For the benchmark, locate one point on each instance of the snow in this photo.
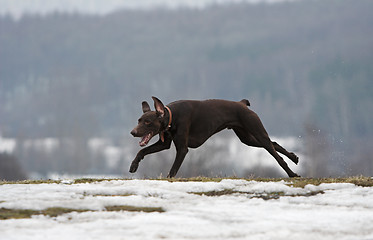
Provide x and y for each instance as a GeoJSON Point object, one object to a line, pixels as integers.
{"type": "Point", "coordinates": [335, 211]}
{"type": "Point", "coordinates": [7, 144]}
{"type": "Point", "coordinates": [48, 145]}
{"type": "Point", "coordinates": [224, 148]}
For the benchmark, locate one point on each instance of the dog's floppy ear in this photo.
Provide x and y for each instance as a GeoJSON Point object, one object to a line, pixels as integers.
{"type": "Point", "coordinates": [145, 107]}
{"type": "Point", "coordinates": [159, 107]}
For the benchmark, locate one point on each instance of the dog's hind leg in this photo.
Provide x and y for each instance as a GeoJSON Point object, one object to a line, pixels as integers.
{"type": "Point", "coordinates": [262, 140]}
{"type": "Point", "coordinates": [250, 140]}
{"type": "Point", "coordinates": [282, 150]}
{"type": "Point", "coordinates": [246, 138]}
{"type": "Point", "coordinates": [267, 144]}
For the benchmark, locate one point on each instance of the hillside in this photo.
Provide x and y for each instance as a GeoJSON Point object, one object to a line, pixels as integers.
{"type": "Point", "coordinates": [303, 62]}
{"type": "Point", "coordinates": [305, 66]}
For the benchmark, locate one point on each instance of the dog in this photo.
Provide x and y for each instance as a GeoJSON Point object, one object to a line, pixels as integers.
{"type": "Point", "coordinates": [189, 123]}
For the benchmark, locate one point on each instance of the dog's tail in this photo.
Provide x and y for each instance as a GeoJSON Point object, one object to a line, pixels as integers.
{"type": "Point", "coordinates": [246, 102]}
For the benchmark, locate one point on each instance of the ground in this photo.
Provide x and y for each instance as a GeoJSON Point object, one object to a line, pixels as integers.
{"type": "Point", "coordinates": [196, 208]}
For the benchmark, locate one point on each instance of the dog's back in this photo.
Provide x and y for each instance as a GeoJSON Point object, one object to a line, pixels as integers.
{"type": "Point", "coordinates": [202, 119]}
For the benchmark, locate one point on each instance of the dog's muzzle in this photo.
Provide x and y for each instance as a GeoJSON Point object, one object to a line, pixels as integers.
{"type": "Point", "coordinates": [144, 139]}
{"type": "Point", "coordinates": [134, 133]}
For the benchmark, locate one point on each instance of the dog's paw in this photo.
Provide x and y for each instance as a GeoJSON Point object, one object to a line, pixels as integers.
{"type": "Point", "coordinates": [134, 166]}
{"type": "Point", "coordinates": [294, 175]}
{"type": "Point", "coordinates": [171, 175]}
{"type": "Point", "coordinates": [294, 158]}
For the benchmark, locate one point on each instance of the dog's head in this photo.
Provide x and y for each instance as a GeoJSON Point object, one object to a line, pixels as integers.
{"type": "Point", "coordinates": [150, 123]}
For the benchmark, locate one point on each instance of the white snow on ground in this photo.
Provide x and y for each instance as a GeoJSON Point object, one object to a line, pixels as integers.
{"type": "Point", "coordinates": [342, 211]}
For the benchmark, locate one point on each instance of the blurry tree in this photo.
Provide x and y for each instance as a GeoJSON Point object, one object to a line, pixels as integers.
{"type": "Point", "coordinates": [74, 77]}
{"type": "Point", "coordinates": [10, 170]}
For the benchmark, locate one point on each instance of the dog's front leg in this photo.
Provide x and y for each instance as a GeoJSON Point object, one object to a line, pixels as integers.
{"type": "Point", "coordinates": [156, 147]}
{"type": "Point", "coordinates": [181, 144]}
{"type": "Point", "coordinates": [180, 155]}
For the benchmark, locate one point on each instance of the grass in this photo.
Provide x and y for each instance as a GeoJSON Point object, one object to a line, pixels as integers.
{"type": "Point", "coordinates": [357, 180]}
{"type": "Point", "coordinates": [6, 213]}
{"type": "Point", "coordinates": [265, 196]}
{"type": "Point", "coordinates": [195, 179]}
{"type": "Point", "coordinates": [295, 182]}
{"type": "Point", "coordinates": [41, 181]}
{"type": "Point", "coordinates": [49, 181]}
{"type": "Point", "coordinates": [109, 195]}
{"type": "Point", "coordinates": [217, 193]}
{"type": "Point", "coordinates": [134, 209]}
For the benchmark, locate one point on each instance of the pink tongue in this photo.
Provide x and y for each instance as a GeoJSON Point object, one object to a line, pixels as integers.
{"type": "Point", "coordinates": [145, 140]}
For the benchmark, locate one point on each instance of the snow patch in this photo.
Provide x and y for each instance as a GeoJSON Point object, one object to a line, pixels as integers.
{"type": "Point", "coordinates": [7, 145]}
{"type": "Point", "coordinates": [342, 211]}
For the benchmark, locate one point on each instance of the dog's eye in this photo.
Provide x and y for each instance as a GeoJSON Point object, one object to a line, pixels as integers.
{"type": "Point", "coordinates": [147, 122]}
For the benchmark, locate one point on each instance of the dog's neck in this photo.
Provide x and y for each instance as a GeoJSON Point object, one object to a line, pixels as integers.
{"type": "Point", "coordinates": [161, 134]}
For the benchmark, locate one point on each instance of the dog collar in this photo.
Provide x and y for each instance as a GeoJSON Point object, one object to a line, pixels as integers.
{"type": "Point", "coordinates": [170, 118]}
{"type": "Point", "coordinates": [168, 125]}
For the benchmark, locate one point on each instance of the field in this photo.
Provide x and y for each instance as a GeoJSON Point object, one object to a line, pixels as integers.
{"type": "Point", "coordinates": [196, 208]}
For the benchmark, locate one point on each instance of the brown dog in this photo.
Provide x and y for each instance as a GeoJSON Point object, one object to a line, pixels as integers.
{"type": "Point", "coordinates": [190, 123]}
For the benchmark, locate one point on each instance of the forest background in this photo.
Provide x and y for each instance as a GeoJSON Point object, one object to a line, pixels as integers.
{"type": "Point", "coordinates": [68, 80]}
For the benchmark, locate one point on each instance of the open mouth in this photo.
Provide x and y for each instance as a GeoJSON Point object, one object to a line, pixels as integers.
{"type": "Point", "coordinates": [145, 139]}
